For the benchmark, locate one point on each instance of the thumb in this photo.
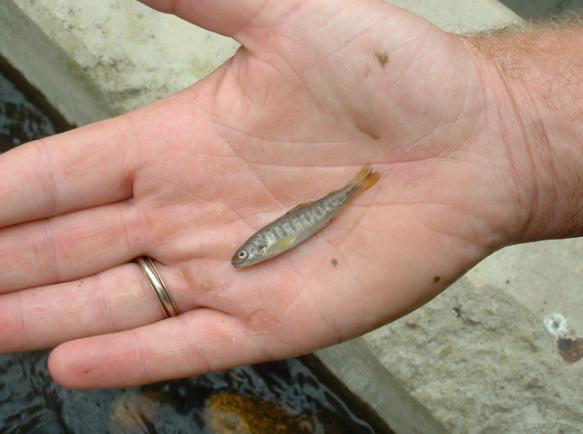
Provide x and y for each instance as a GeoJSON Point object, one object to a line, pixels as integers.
{"type": "Point", "coordinates": [226, 17]}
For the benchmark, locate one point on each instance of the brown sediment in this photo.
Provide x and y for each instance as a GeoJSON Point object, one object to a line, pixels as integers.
{"type": "Point", "coordinates": [230, 413]}
{"type": "Point", "coordinates": [133, 412]}
{"type": "Point", "coordinates": [571, 349]}
{"type": "Point", "coordinates": [382, 57]}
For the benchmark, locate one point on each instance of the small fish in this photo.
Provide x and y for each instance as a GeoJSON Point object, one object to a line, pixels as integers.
{"type": "Point", "coordinates": [300, 223]}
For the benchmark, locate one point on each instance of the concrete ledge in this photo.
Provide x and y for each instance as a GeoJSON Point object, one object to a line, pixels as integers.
{"type": "Point", "coordinates": [49, 68]}
{"type": "Point", "coordinates": [73, 52]}
{"type": "Point", "coordinates": [544, 277]}
{"type": "Point", "coordinates": [480, 361]}
{"type": "Point", "coordinates": [473, 360]}
{"type": "Point", "coordinates": [369, 379]}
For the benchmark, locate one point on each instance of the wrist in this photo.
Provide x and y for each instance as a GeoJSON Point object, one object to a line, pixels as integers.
{"type": "Point", "coordinates": [535, 96]}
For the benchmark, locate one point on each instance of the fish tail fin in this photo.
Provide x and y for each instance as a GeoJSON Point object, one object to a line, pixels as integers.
{"type": "Point", "coordinates": [366, 178]}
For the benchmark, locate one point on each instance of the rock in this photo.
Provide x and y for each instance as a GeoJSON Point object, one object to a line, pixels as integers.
{"type": "Point", "coordinates": [133, 413]}
{"type": "Point", "coordinates": [230, 413]}
{"type": "Point", "coordinates": [483, 363]}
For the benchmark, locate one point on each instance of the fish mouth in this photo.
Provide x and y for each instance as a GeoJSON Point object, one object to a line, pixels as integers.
{"type": "Point", "coordinates": [235, 262]}
{"type": "Point", "coordinates": [238, 263]}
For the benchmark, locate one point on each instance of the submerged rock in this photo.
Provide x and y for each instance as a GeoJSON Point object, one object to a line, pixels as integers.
{"type": "Point", "coordinates": [230, 413]}
{"type": "Point", "coordinates": [133, 413]}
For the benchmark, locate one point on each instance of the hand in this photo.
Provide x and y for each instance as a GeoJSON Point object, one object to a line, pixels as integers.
{"type": "Point", "coordinates": [318, 90]}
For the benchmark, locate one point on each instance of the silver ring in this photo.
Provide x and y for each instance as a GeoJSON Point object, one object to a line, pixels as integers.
{"type": "Point", "coordinates": [158, 286]}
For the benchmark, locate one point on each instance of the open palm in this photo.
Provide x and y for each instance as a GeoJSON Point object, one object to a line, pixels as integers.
{"type": "Point", "coordinates": [318, 89]}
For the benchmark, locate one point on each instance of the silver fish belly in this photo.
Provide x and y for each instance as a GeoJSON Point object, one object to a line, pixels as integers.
{"type": "Point", "coordinates": [301, 222]}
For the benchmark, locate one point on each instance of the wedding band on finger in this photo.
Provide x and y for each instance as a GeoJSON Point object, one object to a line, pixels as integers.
{"type": "Point", "coordinates": [158, 286]}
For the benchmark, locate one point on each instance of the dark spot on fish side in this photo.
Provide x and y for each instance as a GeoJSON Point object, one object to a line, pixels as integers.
{"type": "Point", "coordinates": [507, 282]}
{"type": "Point", "coordinates": [382, 57]}
{"type": "Point", "coordinates": [368, 130]}
{"type": "Point", "coordinates": [436, 279]}
{"type": "Point", "coordinates": [334, 262]}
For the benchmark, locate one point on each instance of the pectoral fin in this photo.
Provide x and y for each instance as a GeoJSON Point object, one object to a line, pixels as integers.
{"type": "Point", "coordinates": [284, 243]}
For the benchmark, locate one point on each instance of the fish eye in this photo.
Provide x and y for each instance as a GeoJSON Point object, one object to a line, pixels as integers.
{"type": "Point", "coordinates": [242, 254]}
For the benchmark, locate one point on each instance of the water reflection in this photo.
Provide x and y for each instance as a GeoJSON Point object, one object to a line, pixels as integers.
{"type": "Point", "coordinates": [20, 119]}
{"type": "Point", "coordinates": [283, 397]}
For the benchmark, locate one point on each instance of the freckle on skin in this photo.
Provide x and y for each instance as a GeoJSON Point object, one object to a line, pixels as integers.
{"type": "Point", "coordinates": [368, 130]}
{"type": "Point", "coordinates": [334, 262]}
{"type": "Point", "coordinates": [382, 57]}
{"type": "Point", "coordinates": [436, 279]}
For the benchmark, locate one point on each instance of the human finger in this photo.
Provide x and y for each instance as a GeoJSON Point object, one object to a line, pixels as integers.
{"type": "Point", "coordinates": [67, 247]}
{"type": "Point", "coordinates": [224, 322]}
{"type": "Point", "coordinates": [193, 343]}
{"type": "Point", "coordinates": [118, 299]}
{"type": "Point", "coordinates": [115, 300]}
{"type": "Point", "coordinates": [220, 16]}
{"type": "Point", "coordinates": [74, 170]}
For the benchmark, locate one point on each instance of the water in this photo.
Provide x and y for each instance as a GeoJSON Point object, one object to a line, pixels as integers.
{"type": "Point", "coordinates": [294, 396]}
{"type": "Point", "coordinates": [20, 120]}
{"type": "Point", "coordinates": [542, 8]}
{"type": "Point", "coordinates": [256, 399]}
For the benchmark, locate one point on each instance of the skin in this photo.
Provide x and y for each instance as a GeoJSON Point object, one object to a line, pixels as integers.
{"type": "Point", "coordinates": [319, 89]}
